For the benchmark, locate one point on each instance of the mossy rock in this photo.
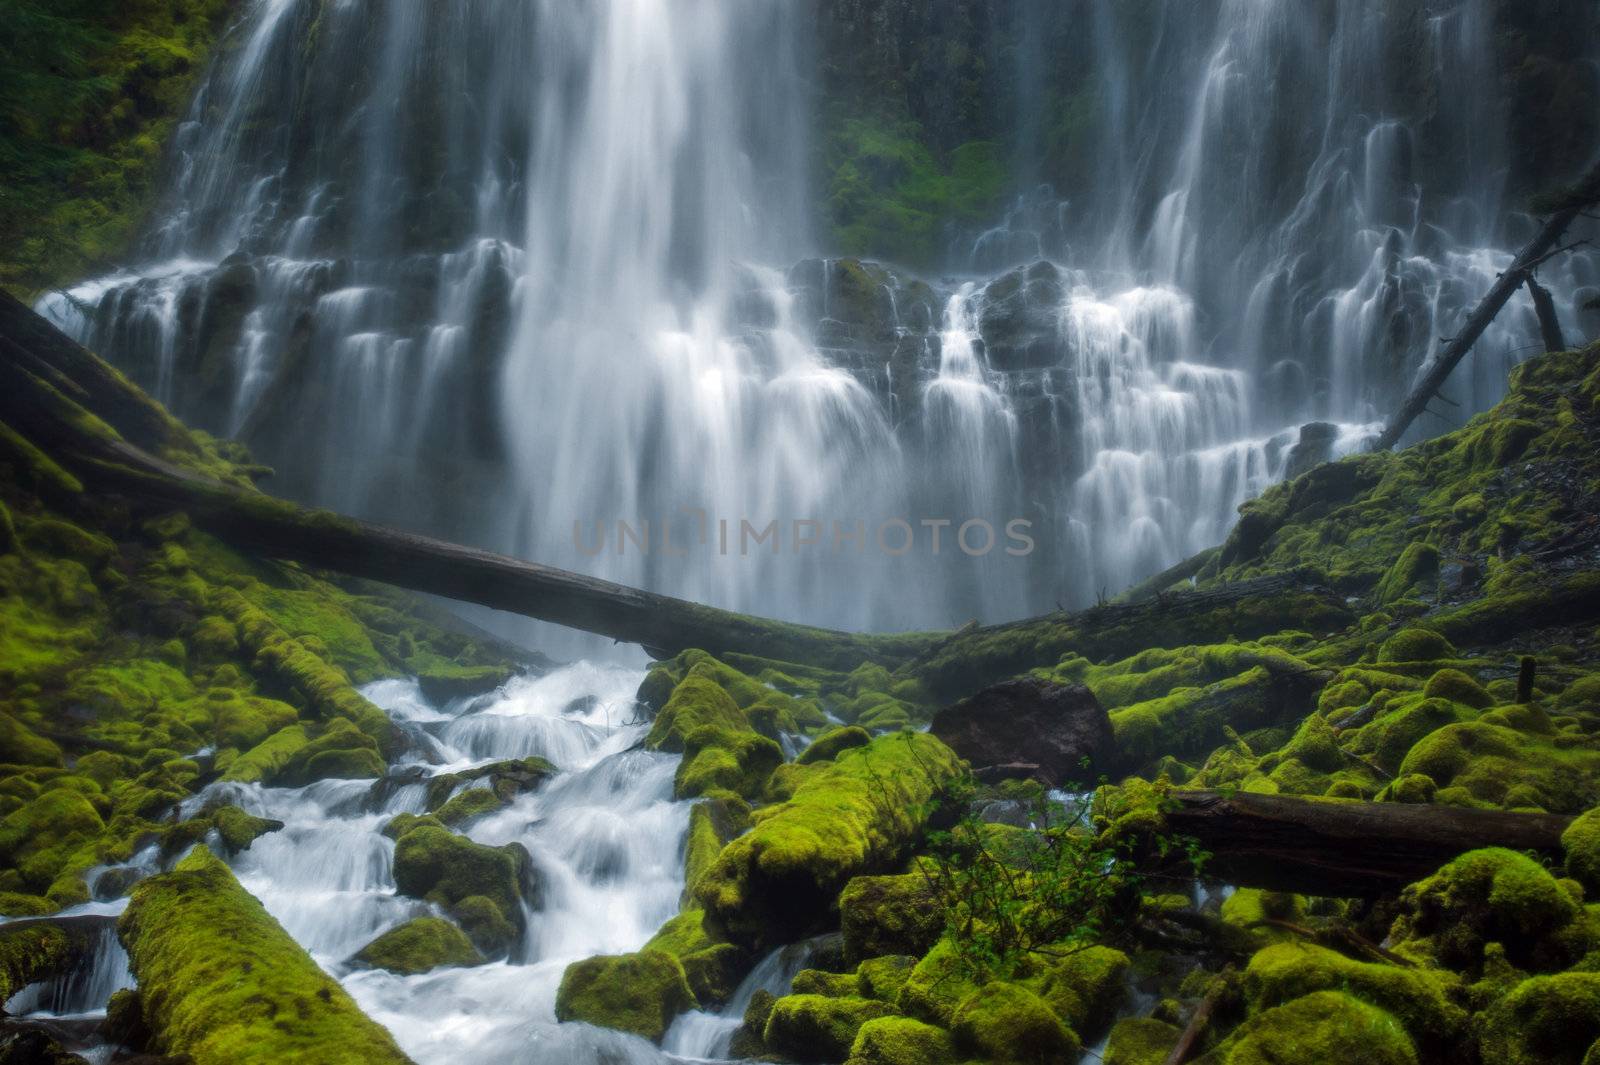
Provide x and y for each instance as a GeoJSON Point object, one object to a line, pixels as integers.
{"type": "Point", "coordinates": [1581, 841]}
{"type": "Point", "coordinates": [468, 806]}
{"type": "Point", "coordinates": [223, 984]}
{"type": "Point", "coordinates": [239, 829]}
{"type": "Point", "coordinates": [486, 925]}
{"type": "Point", "coordinates": [1416, 645]}
{"type": "Point", "coordinates": [901, 1041]}
{"type": "Point", "coordinates": [263, 762]}
{"type": "Point", "coordinates": [1421, 999]}
{"type": "Point", "coordinates": [439, 866]}
{"type": "Point", "coordinates": [889, 915]}
{"type": "Point", "coordinates": [1417, 565]}
{"type": "Point", "coordinates": [1457, 687]}
{"type": "Point", "coordinates": [20, 745]}
{"type": "Point", "coordinates": [342, 752]}
{"type": "Point", "coordinates": [860, 814]}
{"type": "Point", "coordinates": [827, 746]}
{"type": "Point", "coordinates": [1140, 1041]}
{"type": "Point", "coordinates": [639, 993]}
{"type": "Point", "coordinates": [1084, 987]}
{"type": "Point", "coordinates": [882, 978]}
{"type": "Point", "coordinates": [417, 946]}
{"type": "Point", "coordinates": [1006, 1022]}
{"type": "Point", "coordinates": [1324, 1026]}
{"type": "Point", "coordinates": [818, 1028]}
{"type": "Point", "coordinates": [1548, 1020]}
{"type": "Point", "coordinates": [1483, 897]}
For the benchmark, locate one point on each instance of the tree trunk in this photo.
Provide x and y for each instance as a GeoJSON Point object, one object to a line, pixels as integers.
{"type": "Point", "coordinates": [1317, 847]}
{"type": "Point", "coordinates": [1435, 372]}
{"type": "Point", "coordinates": [1545, 307]}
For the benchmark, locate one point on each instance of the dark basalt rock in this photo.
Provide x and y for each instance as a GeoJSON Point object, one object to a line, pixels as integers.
{"type": "Point", "coordinates": [1036, 727]}
{"type": "Point", "coordinates": [1020, 319]}
{"type": "Point", "coordinates": [1313, 449]}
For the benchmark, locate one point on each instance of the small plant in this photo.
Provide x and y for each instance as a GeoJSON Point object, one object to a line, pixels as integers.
{"type": "Point", "coordinates": [1012, 894]}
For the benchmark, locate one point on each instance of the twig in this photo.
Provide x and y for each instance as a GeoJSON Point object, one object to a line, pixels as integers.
{"type": "Point", "coordinates": [1197, 1023]}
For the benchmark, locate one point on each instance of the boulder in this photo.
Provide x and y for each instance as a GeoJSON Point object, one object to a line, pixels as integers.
{"type": "Point", "coordinates": [639, 993]}
{"type": "Point", "coordinates": [1039, 727]}
{"type": "Point", "coordinates": [417, 946]}
{"type": "Point", "coordinates": [1020, 319]}
{"type": "Point", "coordinates": [1314, 447]}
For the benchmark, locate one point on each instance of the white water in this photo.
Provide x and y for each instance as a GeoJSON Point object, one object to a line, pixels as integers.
{"type": "Point", "coordinates": [605, 835]}
{"type": "Point", "coordinates": [506, 269]}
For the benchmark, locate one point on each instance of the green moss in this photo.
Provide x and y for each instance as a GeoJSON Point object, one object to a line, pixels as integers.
{"type": "Point", "coordinates": [417, 946]}
{"type": "Point", "coordinates": [1140, 1041]}
{"type": "Point", "coordinates": [30, 953]}
{"type": "Point", "coordinates": [1006, 1022]}
{"type": "Point", "coordinates": [858, 815]}
{"type": "Point", "coordinates": [833, 985]}
{"type": "Point", "coordinates": [1084, 988]}
{"type": "Point", "coordinates": [1494, 764]}
{"type": "Point", "coordinates": [882, 978]}
{"type": "Point", "coordinates": [41, 838]}
{"type": "Point", "coordinates": [468, 806]}
{"type": "Point", "coordinates": [342, 752]}
{"type": "Point", "coordinates": [1416, 645]}
{"type": "Point", "coordinates": [1581, 841]}
{"type": "Point", "coordinates": [817, 1028]}
{"type": "Point", "coordinates": [1488, 896]}
{"type": "Point", "coordinates": [1456, 686]}
{"type": "Point", "coordinates": [239, 829]}
{"type": "Point", "coordinates": [486, 924]}
{"type": "Point", "coordinates": [20, 745]}
{"type": "Point", "coordinates": [267, 759]}
{"type": "Point", "coordinates": [1324, 1026]}
{"type": "Point", "coordinates": [1417, 564]}
{"type": "Point", "coordinates": [439, 866]}
{"type": "Point", "coordinates": [901, 1041]}
{"type": "Point", "coordinates": [639, 993]}
{"type": "Point", "coordinates": [1419, 999]}
{"type": "Point", "coordinates": [221, 982]}
{"type": "Point", "coordinates": [889, 915]}
{"type": "Point", "coordinates": [1548, 1020]}
{"type": "Point", "coordinates": [827, 746]}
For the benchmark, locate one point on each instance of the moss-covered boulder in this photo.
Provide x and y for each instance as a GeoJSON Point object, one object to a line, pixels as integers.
{"type": "Point", "coordinates": [1548, 1020]}
{"type": "Point", "coordinates": [860, 814]}
{"type": "Point", "coordinates": [1325, 1026]}
{"type": "Point", "coordinates": [436, 865]}
{"type": "Point", "coordinates": [818, 1028]}
{"type": "Point", "coordinates": [889, 915]}
{"type": "Point", "coordinates": [1084, 987]}
{"type": "Point", "coordinates": [901, 1041]}
{"type": "Point", "coordinates": [1006, 1022]}
{"type": "Point", "coordinates": [417, 946]}
{"type": "Point", "coordinates": [1140, 1041]}
{"type": "Point", "coordinates": [1489, 896]}
{"type": "Point", "coordinates": [1581, 841]}
{"type": "Point", "coordinates": [238, 829]}
{"type": "Point", "coordinates": [826, 747]}
{"type": "Point", "coordinates": [1420, 999]}
{"type": "Point", "coordinates": [639, 993]}
{"type": "Point", "coordinates": [222, 983]}
{"type": "Point", "coordinates": [341, 752]}
{"type": "Point", "coordinates": [722, 752]}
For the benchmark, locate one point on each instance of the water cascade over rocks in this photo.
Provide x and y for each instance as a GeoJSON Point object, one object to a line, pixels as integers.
{"type": "Point", "coordinates": [543, 275]}
{"type": "Point", "coordinates": [525, 274]}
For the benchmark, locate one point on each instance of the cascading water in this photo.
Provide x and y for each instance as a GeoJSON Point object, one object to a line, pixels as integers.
{"type": "Point", "coordinates": [517, 272]}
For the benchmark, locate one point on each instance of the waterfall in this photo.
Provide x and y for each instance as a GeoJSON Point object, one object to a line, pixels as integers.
{"type": "Point", "coordinates": [533, 274]}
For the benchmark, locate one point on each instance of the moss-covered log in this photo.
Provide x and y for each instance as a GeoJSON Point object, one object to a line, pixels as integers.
{"type": "Point", "coordinates": [1329, 848]}
{"type": "Point", "coordinates": [221, 981]}
{"type": "Point", "coordinates": [42, 948]}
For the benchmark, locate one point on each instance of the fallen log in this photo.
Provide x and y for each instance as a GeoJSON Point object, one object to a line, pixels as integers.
{"type": "Point", "coordinates": [1433, 375]}
{"type": "Point", "coordinates": [93, 421]}
{"type": "Point", "coordinates": [1358, 849]}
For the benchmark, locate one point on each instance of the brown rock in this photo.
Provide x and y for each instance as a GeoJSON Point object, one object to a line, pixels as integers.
{"type": "Point", "coordinates": [1030, 727]}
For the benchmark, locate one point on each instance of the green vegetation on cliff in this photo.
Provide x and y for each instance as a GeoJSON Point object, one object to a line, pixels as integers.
{"type": "Point", "coordinates": [92, 92]}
